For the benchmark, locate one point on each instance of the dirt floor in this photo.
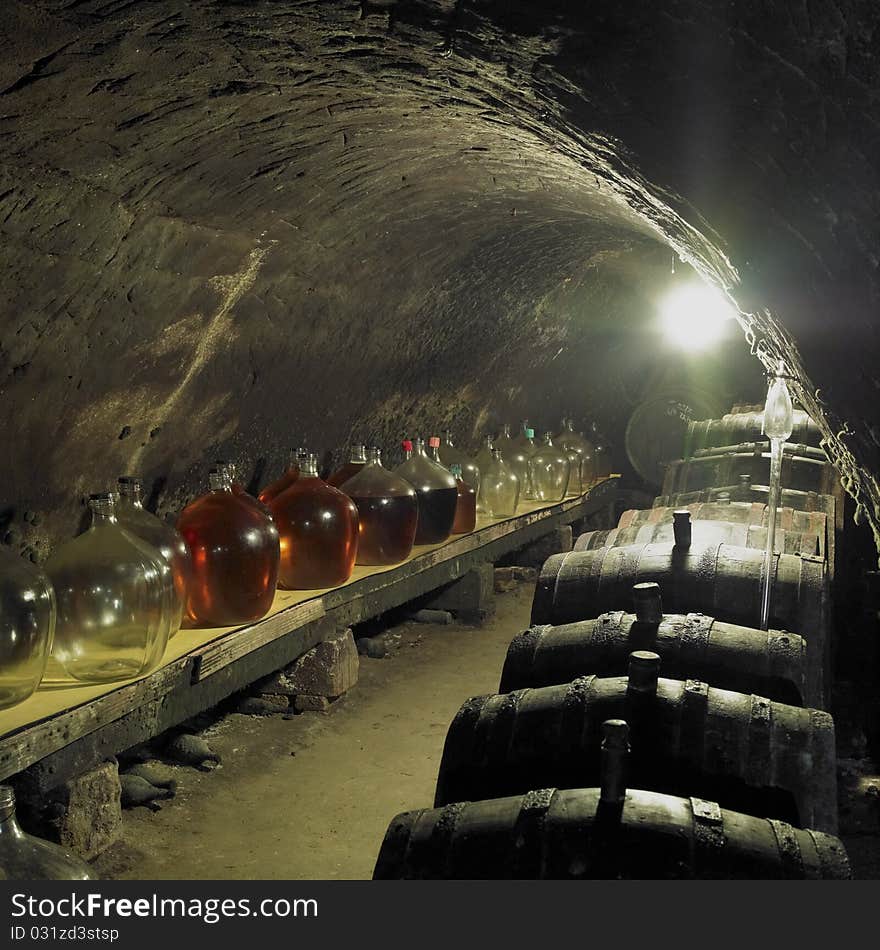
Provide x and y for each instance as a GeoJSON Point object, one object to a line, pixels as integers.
{"type": "Point", "coordinates": [310, 796]}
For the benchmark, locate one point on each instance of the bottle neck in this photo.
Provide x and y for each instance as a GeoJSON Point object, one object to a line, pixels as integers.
{"type": "Point", "coordinates": [220, 481]}
{"type": "Point", "coordinates": [358, 454]}
{"type": "Point", "coordinates": [420, 448]}
{"type": "Point", "coordinates": [103, 508]}
{"type": "Point", "coordinates": [8, 821]}
{"type": "Point", "coordinates": [447, 438]}
{"type": "Point", "coordinates": [375, 455]}
{"type": "Point", "coordinates": [130, 490]}
{"type": "Point", "coordinates": [309, 467]}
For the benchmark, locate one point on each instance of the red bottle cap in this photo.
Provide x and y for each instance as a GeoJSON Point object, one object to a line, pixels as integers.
{"type": "Point", "coordinates": [407, 445]}
{"type": "Point", "coordinates": [434, 442]}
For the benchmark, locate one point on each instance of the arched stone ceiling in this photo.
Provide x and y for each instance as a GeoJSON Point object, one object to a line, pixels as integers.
{"type": "Point", "coordinates": [230, 227]}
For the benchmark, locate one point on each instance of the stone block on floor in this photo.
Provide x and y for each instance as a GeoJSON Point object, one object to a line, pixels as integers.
{"type": "Point", "coordinates": [471, 598]}
{"type": "Point", "coordinates": [509, 578]}
{"type": "Point", "coordinates": [328, 669]}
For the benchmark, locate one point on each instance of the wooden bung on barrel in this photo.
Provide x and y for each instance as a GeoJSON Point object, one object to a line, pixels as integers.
{"type": "Point", "coordinates": [746, 427]}
{"type": "Point", "coordinates": [790, 520]}
{"type": "Point", "coordinates": [744, 751]}
{"type": "Point", "coordinates": [721, 580]}
{"type": "Point", "coordinates": [606, 832]}
{"type": "Point", "coordinates": [771, 663]}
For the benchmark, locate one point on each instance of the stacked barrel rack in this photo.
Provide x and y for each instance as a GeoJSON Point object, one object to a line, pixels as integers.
{"type": "Point", "coordinates": [588, 763]}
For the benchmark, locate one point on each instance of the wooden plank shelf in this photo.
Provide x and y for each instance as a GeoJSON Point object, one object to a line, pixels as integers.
{"type": "Point", "coordinates": [64, 729]}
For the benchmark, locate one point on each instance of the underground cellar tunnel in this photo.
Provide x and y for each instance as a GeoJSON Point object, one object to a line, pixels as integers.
{"type": "Point", "coordinates": [234, 229]}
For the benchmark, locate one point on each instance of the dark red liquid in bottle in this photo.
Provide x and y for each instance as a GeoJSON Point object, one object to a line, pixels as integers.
{"type": "Point", "coordinates": [235, 558]}
{"type": "Point", "coordinates": [387, 528]}
{"type": "Point", "coordinates": [318, 527]}
{"type": "Point", "coordinates": [436, 491]}
{"type": "Point", "coordinates": [465, 508]}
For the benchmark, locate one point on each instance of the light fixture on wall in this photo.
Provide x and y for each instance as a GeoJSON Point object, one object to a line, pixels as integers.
{"type": "Point", "coordinates": [694, 315]}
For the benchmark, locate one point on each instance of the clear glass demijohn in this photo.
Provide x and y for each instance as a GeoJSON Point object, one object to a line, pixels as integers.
{"type": "Point", "coordinates": [114, 594]}
{"type": "Point", "coordinates": [550, 472]}
{"type": "Point", "coordinates": [27, 627]}
{"type": "Point", "coordinates": [24, 857]}
{"type": "Point", "coordinates": [499, 489]}
{"type": "Point", "coordinates": [132, 515]}
{"type": "Point", "coordinates": [451, 455]}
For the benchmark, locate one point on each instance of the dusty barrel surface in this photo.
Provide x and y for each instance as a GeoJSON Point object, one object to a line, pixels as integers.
{"type": "Point", "coordinates": [746, 426]}
{"type": "Point", "coordinates": [564, 834]}
{"type": "Point", "coordinates": [705, 532]}
{"type": "Point", "coordinates": [792, 521]}
{"type": "Point", "coordinates": [788, 448]}
{"type": "Point", "coordinates": [705, 471]}
{"type": "Point", "coordinates": [771, 663]}
{"type": "Point", "coordinates": [721, 580]}
{"type": "Point", "coordinates": [744, 751]}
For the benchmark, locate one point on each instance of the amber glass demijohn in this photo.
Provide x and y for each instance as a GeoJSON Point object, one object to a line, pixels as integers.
{"type": "Point", "coordinates": [114, 594]}
{"type": "Point", "coordinates": [318, 528]}
{"type": "Point", "coordinates": [466, 506]}
{"type": "Point", "coordinates": [284, 481]}
{"type": "Point", "coordinates": [550, 472]}
{"type": "Point", "coordinates": [388, 513]}
{"type": "Point", "coordinates": [24, 857]}
{"type": "Point", "coordinates": [235, 553]}
{"type": "Point", "coordinates": [132, 515]}
{"type": "Point", "coordinates": [499, 488]}
{"type": "Point", "coordinates": [357, 459]}
{"type": "Point", "coordinates": [27, 626]}
{"type": "Point", "coordinates": [436, 490]}
{"type": "Point", "coordinates": [237, 488]}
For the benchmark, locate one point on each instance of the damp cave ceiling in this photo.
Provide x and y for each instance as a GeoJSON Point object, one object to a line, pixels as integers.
{"type": "Point", "coordinates": [231, 226]}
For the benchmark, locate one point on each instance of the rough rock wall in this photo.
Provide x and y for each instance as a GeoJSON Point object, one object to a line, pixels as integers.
{"type": "Point", "coordinates": [232, 227]}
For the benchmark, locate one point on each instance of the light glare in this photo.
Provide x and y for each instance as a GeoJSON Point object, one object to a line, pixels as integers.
{"type": "Point", "coordinates": [694, 315]}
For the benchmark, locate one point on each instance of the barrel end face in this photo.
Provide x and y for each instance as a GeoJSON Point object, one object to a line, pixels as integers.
{"type": "Point", "coordinates": [520, 660]}
{"type": "Point", "coordinates": [542, 602]}
{"type": "Point", "coordinates": [391, 864]}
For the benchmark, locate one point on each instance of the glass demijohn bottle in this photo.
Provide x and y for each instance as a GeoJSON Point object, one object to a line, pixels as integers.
{"type": "Point", "coordinates": [24, 857]}
{"type": "Point", "coordinates": [235, 552]}
{"type": "Point", "coordinates": [437, 493]}
{"type": "Point", "coordinates": [450, 455]}
{"type": "Point", "coordinates": [550, 472]}
{"type": "Point", "coordinates": [132, 515]}
{"type": "Point", "coordinates": [27, 626]}
{"type": "Point", "coordinates": [499, 489]}
{"type": "Point", "coordinates": [114, 594]}
{"type": "Point", "coordinates": [388, 512]}
{"type": "Point", "coordinates": [519, 456]}
{"type": "Point", "coordinates": [318, 528]}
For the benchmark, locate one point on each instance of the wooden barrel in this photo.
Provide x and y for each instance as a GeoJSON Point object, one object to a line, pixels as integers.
{"type": "Point", "coordinates": [745, 752]}
{"type": "Point", "coordinates": [553, 834]}
{"type": "Point", "coordinates": [792, 521]}
{"type": "Point", "coordinates": [771, 663]}
{"type": "Point", "coordinates": [706, 471]}
{"type": "Point", "coordinates": [704, 532]}
{"type": "Point", "coordinates": [745, 491]}
{"type": "Point", "coordinates": [788, 448]}
{"type": "Point", "coordinates": [746, 427]}
{"type": "Point", "coordinates": [721, 580]}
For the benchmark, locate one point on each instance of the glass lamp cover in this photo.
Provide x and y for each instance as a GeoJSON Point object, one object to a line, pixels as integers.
{"type": "Point", "coordinates": [778, 410]}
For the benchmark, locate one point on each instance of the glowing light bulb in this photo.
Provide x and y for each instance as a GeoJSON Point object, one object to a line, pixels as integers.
{"type": "Point", "coordinates": [694, 315]}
